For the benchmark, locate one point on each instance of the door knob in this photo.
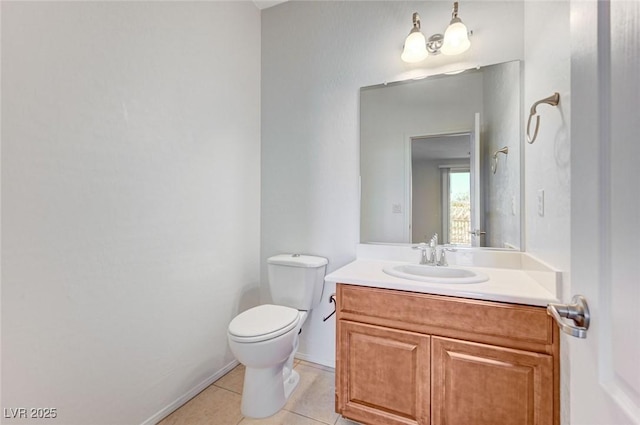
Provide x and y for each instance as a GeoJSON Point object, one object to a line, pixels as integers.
{"type": "Point", "coordinates": [578, 311]}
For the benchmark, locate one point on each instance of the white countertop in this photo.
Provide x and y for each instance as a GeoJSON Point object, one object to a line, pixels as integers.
{"type": "Point", "coordinates": [533, 286]}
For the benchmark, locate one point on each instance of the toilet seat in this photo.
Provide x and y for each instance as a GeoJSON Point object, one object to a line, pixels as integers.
{"type": "Point", "coordinates": [263, 322]}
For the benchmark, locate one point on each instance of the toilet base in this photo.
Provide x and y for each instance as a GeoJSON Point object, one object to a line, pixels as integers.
{"type": "Point", "coordinates": [291, 383]}
{"type": "Point", "coordinates": [266, 390]}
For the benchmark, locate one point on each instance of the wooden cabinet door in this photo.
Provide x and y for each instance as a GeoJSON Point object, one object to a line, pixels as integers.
{"type": "Point", "coordinates": [384, 375]}
{"type": "Point", "coordinates": [477, 384]}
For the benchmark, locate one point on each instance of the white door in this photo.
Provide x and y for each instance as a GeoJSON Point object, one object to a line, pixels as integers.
{"type": "Point", "coordinates": [605, 210]}
{"type": "Point", "coordinates": [477, 225]}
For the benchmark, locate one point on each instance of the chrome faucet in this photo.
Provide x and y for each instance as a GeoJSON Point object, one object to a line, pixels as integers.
{"type": "Point", "coordinates": [431, 255]}
{"type": "Point", "coordinates": [428, 251]}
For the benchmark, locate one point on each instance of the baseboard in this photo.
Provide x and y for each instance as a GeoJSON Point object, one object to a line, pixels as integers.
{"type": "Point", "coordinates": [317, 360]}
{"type": "Point", "coordinates": [177, 403]}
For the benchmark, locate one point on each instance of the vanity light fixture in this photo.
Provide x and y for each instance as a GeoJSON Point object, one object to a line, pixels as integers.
{"type": "Point", "coordinates": [454, 41]}
{"type": "Point", "coordinates": [456, 37]}
{"type": "Point", "coordinates": [415, 46]}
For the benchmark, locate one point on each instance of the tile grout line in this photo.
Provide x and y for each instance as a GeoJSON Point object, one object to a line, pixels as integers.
{"type": "Point", "coordinates": [226, 389]}
{"type": "Point", "coordinates": [316, 366]}
{"type": "Point", "coordinates": [308, 417]}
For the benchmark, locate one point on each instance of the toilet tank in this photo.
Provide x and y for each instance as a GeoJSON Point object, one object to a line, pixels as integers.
{"type": "Point", "coordinates": [296, 280]}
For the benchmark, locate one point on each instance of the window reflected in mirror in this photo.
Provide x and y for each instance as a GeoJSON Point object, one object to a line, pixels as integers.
{"type": "Point", "coordinates": [457, 206]}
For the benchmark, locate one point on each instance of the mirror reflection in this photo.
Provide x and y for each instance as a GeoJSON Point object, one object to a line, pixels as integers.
{"type": "Point", "coordinates": [430, 163]}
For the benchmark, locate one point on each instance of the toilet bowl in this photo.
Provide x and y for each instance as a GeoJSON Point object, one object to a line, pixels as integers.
{"type": "Point", "coordinates": [265, 342]}
{"type": "Point", "coordinates": [265, 338]}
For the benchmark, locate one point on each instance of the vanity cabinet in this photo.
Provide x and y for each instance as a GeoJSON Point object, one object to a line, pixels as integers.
{"type": "Point", "coordinates": [412, 358]}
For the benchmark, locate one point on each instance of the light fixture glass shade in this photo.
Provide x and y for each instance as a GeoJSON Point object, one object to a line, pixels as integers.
{"type": "Point", "coordinates": [415, 47]}
{"type": "Point", "coordinates": [456, 38]}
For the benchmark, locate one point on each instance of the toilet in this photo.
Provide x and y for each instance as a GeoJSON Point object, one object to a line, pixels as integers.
{"type": "Point", "coordinates": [265, 338]}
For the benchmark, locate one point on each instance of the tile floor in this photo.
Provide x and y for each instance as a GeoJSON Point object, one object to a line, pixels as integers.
{"type": "Point", "coordinates": [312, 403]}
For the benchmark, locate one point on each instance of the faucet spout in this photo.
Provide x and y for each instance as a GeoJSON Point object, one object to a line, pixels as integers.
{"type": "Point", "coordinates": [432, 258]}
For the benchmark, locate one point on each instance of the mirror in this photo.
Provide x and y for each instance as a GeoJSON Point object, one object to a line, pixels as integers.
{"type": "Point", "coordinates": [433, 159]}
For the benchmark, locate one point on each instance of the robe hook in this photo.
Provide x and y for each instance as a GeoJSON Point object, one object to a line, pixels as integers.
{"type": "Point", "coordinates": [552, 100]}
{"type": "Point", "coordinates": [494, 164]}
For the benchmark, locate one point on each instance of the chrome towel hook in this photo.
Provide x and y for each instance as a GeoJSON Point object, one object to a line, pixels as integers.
{"type": "Point", "coordinates": [552, 100]}
{"type": "Point", "coordinates": [494, 164]}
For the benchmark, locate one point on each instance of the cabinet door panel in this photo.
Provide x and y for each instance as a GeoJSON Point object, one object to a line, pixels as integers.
{"type": "Point", "coordinates": [488, 385]}
{"type": "Point", "coordinates": [384, 375]}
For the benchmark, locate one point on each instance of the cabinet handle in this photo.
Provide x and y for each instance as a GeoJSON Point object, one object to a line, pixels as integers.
{"type": "Point", "coordinates": [578, 311]}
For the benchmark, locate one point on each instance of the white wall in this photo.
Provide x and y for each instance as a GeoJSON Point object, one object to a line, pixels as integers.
{"type": "Point", "coordinates": [547, 167]}
{"type": "Point", "coordinates": [316, 55]}
{"type": "Point", "coordinates": [547, 161]}
{"type": "Point", "coordinates": [130, 201]}
{"type": "Point", "coordinates": [502, 110]}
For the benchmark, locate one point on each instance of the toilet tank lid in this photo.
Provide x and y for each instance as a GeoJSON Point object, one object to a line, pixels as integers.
{"type": "Point", "coordinates": [298, 260]}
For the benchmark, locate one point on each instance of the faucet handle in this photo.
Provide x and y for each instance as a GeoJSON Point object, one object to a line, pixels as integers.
{"type": "Point", "coordinates": [422, 246]}
{"type": "Point", "coordinates": [442, 261]}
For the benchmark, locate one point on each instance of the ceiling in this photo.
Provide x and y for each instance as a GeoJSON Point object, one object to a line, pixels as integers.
{"type": "Point", "coordinates": [441, 147]}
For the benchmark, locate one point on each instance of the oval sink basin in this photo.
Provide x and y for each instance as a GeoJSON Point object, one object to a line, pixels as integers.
{"type": "Point", "coordinates": [435, 274]}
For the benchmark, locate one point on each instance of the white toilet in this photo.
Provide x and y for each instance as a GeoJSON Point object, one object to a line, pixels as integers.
{"type": "Point", "coordinates": [265, 338]}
